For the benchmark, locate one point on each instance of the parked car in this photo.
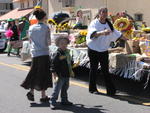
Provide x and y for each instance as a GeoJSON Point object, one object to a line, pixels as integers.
{"type": "Point", "coordinates": [60, 16]}
{"type": "Point", "coordinates": [3, 40]}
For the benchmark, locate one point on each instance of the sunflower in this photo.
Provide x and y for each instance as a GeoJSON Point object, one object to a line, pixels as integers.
{"type": "Point", "coordinates": [83, 32]}
{"type": "Point", "coordinates": [128, 34]}
{"type": "Point", "coordinates": [122, 24]}
{"type": "Point", "coordinates": [146, 29]}
{"type": "Point", "coordinates": [37, 7]}
{"type": "Point", "coordinates": [51, 21]}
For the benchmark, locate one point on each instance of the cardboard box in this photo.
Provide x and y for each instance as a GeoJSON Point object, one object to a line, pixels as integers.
{"type": "Point", "coordinates": [132, 46]}
{"type": "Point", "coordinates": [147, 36]}
{"type": "Point", "coordinates": [119, 60]}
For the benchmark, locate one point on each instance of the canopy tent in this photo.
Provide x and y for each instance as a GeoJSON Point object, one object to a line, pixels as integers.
{"type": "Point", "coordinates": [16, 14]}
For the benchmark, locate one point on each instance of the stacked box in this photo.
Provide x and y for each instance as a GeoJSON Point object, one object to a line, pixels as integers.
{"type": "Point", "coordinates": [132, 46]}
{"type": "Point", "coordinates": [147, 44]}
{"type": "Point", "coordinates": [118, 60]}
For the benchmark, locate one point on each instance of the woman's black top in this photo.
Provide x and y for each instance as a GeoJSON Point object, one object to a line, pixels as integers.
{"type": "Point", "coordinates": [15, 35]}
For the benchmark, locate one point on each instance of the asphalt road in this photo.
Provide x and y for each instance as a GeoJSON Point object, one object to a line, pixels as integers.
{"type": "Point", "coordinates": [13, 97]}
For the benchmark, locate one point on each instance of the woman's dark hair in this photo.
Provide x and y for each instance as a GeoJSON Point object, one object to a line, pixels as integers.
{"type": "Point", "coordinates": [10, 25]}
{"type": "Point", "coordinates": [107, 20]}
{"type": "Point", "coordinates": [39, 14]}
{"type": "Point", "coordinates": [110, 24]}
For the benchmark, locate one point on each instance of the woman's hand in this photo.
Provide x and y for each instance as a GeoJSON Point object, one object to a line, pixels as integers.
{"type": "Point", "coordinates": [102, 33]}
{"type": "Point", "coordinates": [54, 76]}
{"type": "Point", "coordinates": [124, 38]}
{"type": "Point", "coordinates": [107, 32]}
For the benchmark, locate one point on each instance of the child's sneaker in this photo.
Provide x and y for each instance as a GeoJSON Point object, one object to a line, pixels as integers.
{"type": "Point", "coordinates": [52, 104]}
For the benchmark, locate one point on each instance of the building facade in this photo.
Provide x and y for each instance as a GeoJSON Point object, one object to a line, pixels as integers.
{"type": "Point", "coordinates": [23, 4]}
{"type": "Point", "coordinates": [138, 9]}
{"type": "Point", "coordinates": [74, 5]}
{"type": "Point", "coordinates": [71, 6]}
{"type": "Point", "coordinates": [5, 6]}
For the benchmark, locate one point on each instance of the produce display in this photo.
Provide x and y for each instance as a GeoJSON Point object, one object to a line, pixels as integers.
{"type": "Point", "coordinates": [81, 37]}
{"type": "Point", "coordinates": [121, 21]}
{"type": "Point", "coordinates": [125, 26]}
{"type": "Point", "coordinates": [122, 24]}
{"type": "Point", "coordinates": [146, 29]}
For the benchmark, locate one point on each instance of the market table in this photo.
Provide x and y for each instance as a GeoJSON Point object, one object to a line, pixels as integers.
{"type": "Point", "coordinates": [121, 65]}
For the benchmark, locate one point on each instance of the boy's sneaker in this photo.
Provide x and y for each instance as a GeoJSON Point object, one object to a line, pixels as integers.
{"type": "Point", "coordinates": [52, 104]}
{"type": "Point", "coordinates": [67, 103]}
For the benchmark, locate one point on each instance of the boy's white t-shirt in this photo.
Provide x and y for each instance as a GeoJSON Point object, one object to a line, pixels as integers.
{"type": "Point", "coordinates": [101, 43]}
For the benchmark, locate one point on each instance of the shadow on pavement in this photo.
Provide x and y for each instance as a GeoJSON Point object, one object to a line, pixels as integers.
{"type": "Point", "coordinates": [27, 63]}
{"type": "Point", "coordinates": [40, 104]}
{"type": "Point", "coordinates": [129, 98]}
{"type": "Point", "coordinates": [130, 90]}
{"type": "Point", "coordinates": [132, 99]}
{"type": "Point", "coordinates": [80, 108]}
{"type": "Point", "coordinates": [131, 87]}
{"type": "Point", "coordinates": [76, 108]}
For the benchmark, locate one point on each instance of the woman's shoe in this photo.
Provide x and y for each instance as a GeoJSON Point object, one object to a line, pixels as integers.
{"type": "Point", "coordinates": [67, 103]}
{"type": "Point", "coordinates": [30, 96]}
{"type": "Point", "coordinates": [111, 92]}
{"type": "Point", "coordinates": [94, 91]}
{"type": "Point", "coordinates": [46, 99]}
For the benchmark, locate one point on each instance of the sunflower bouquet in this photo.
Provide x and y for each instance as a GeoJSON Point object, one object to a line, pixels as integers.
{"type": "Point", "coordinates": [122, 24]}
{"type": "Point", "coordinates": [146, 29]}
{"type": "Point", "coordinates": [125, 26]}
{"type": "Point", "coordinates": [51, 21]}
{"type": "Point", "coordinates": [63, 27]}
{"type": "Point", "coordinates": [81, 38]}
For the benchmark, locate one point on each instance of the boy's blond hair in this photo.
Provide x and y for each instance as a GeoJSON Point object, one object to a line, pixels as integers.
{"type": "Point", "coordinates": [60, 38]}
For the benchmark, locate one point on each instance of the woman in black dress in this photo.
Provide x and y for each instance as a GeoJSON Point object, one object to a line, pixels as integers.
{"type": "Point", "coordinates": [39, 76]}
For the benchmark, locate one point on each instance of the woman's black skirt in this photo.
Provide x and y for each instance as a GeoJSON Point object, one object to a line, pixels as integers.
{"type": "Point", "coordinates": [39, 76]}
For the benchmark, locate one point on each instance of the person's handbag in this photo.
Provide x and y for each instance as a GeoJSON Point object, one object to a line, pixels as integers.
{"type": "Point", "coordinates": [16, 44]}
{"type": "Point", "coordinates": [9, 33]}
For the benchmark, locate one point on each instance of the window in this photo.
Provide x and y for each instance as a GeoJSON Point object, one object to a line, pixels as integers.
{"type": "Point", "coordinates": [11, 6]}
{"type": "Point", "coordinates": [138, 17]}
{"type": "Point", "coordinates": [22, 5]}
{"type": "Point", "coordinates": [34, 2]}
{"type": "Point", "coordinates": [2, 6]}
{"type": "Point", "coordinates": [2, 13]}
{"type": "Point", "coordinates": [68, 3]}
{"type": "Point", "coordinates": [8, 6]}
{"type": "Point", "coordinates": [28, 4]}
{"type": "Point", "coordinates": [5, 6]}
